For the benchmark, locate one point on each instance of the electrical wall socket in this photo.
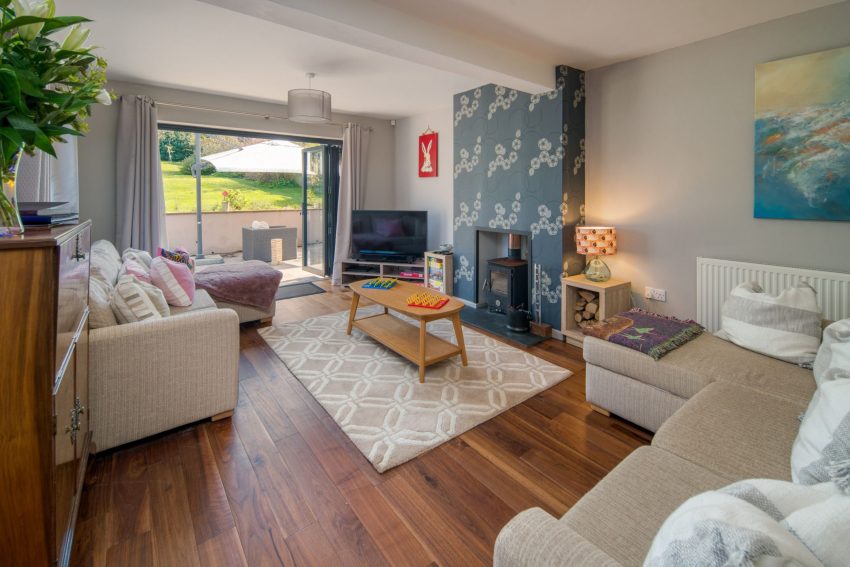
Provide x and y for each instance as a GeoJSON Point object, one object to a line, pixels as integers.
{"type": "Point", "coordinates": [655, 294]}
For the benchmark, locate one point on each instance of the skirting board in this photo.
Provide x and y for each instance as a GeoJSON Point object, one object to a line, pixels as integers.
{"type": "Point", "coordinates": [469, 303]}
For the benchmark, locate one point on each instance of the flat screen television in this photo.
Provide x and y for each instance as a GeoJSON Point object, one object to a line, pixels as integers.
{"type": "Point", "coordinates": [389, 235]}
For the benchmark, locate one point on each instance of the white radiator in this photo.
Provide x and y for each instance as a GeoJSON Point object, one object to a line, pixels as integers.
{"type": "Point", "coordinates": [716, 278]}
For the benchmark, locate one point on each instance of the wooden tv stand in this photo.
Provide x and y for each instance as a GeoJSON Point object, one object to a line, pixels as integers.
{"type": "Point", "coordinates": [354, 270]}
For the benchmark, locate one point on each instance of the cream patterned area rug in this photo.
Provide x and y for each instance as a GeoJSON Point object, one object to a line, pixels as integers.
{"type": "Point", "coordinates": [375, 395]}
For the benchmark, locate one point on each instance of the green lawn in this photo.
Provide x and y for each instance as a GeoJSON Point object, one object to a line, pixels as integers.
{"type": "Point", "coordinates": [180, 192]}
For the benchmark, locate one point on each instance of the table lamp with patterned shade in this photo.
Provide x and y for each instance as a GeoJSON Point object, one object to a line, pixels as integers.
{"type": "Point", "coordinates": [596, 241]}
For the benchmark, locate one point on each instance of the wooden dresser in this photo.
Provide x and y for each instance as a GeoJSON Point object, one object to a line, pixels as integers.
{"type": "Point", "coordinates": [44, 432]}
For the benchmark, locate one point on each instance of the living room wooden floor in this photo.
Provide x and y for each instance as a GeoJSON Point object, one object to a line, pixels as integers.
{"type": "Point", "coordinates": [280, 484]}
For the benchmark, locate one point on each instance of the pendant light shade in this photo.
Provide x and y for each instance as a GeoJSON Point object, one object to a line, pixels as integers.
{"type": "Point", "coordinates": [309, 105]}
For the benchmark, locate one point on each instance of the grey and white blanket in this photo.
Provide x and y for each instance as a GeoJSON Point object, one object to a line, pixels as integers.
{"type": "Point", "coordinates": [757, 523]}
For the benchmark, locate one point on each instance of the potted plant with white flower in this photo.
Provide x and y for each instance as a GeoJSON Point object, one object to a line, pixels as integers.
{"type": "Point", "coordinates": [46, 88]}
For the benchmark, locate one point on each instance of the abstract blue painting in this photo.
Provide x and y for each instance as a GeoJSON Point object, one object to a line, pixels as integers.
{"type": "Point", "coordinates": [802, 137]}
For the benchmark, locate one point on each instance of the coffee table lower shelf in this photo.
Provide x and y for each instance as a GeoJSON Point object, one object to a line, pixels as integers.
{"type": "Point", "coordinates": [407, 340]}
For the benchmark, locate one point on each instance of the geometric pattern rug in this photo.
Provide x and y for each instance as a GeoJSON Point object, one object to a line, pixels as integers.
{"type": "Point", "coordinates": [375, 395]}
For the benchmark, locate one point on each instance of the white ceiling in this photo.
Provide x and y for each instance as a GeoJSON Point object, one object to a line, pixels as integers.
{"type": "Point", "coordinates": [394, 58]}
{"type": "Point", "coordinates": [593, 33]}
{"type": "Point", "coordinates": [195, 46]}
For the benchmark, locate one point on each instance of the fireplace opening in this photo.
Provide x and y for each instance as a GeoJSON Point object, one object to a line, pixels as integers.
{"type": "Point", "coordinates": [503, 284]}
{"type": "Point", "coordinates": [505, 289]}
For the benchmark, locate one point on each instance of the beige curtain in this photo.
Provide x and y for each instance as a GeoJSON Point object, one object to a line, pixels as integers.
{"type": "Point", "coordinates": [352, 189]}
{"type": "Point", "coordinates": [139, 202]}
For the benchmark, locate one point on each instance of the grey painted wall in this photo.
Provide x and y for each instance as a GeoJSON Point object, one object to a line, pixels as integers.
{"type": "Point", "coordinates": [97, 148]}
{"type": "Point", "coordinates": [670, 159]}
{"type": "Point", "coordinates": [432, 194]}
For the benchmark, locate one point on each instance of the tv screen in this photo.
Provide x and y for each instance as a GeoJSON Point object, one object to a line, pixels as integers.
{"type": "Point", "coordinates": [389, 235]}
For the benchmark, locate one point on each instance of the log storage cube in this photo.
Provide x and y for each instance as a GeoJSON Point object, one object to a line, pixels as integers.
{"type": "Point", "coordinates": [584, 302]}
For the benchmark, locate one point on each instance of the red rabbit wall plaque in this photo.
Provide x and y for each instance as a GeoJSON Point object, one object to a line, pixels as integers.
{"type": "Point", "coordinates": [428, 154]}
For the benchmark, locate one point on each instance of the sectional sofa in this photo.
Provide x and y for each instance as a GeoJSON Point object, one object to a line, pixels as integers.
{"type": "Point", "coordinates": [722, 414]}
{"type": "Point", "coordinates": [151, 376]}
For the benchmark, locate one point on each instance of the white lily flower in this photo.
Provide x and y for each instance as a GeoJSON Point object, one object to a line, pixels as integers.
{"type": "Point", "coordinates": [38, 8]}
{"type": "Point", "coordinates": [104, 98]}
{"type": "Point", "coordinates": [76, 38]}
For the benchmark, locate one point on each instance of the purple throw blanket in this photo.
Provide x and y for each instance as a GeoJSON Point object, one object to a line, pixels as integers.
{"type": "Point", "coordinates": [251, 283]}
{"type": "Point", "coordinates": [649, 333]}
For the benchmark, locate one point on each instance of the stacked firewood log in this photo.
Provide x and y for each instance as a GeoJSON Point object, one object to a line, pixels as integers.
{"type": "Point", "coordinates": [586, 308]}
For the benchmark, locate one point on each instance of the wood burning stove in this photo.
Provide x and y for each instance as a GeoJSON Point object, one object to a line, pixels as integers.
{"type": "Point", "coordinates": [507, 284]}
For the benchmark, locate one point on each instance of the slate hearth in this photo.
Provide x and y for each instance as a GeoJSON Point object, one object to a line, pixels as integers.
{"type": "Point", "coordinates": [496, 323]}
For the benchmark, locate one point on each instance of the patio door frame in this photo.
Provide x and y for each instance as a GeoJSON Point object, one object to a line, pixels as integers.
{"type": "Point", "coordinates": [305, 211]}
{"type": "Point", "coordinates": [325, 142]}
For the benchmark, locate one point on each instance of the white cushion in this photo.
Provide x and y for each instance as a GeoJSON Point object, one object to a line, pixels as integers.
{"type": "Point", "coordinates": [105, 262]}
{"type": "Point", "coordinates": [787, 326]}
{"type": "Point", "coordinates": [100, 310]}
{"type": "Point", "coordinates": [756, 522]}
{"type": "Point", "coordinates": [833, 359]}
{"type": "Point", "coordinates": [134, 300]}
{"type": "Point", "coordinates": [143, 257]}
{"type": "Point", "coordinates": [821, 451]}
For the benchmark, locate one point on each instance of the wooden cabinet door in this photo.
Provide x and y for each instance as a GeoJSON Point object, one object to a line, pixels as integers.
{"type": "Point", "coordinates": [73, 291]}
{"type": "Point", "coordinates": [82, 390]}
{"type": "Point", "coordinates": [64, 450]}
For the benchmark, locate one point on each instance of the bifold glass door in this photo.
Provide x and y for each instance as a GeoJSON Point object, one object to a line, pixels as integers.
{"type": "Point", "coordinates": [313, 210]}
{"type": "Point", "coordinates": [217, 182]}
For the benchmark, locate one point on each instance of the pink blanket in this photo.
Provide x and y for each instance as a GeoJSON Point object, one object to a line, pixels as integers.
{"type": "Point", "coordinates": [251, 283]}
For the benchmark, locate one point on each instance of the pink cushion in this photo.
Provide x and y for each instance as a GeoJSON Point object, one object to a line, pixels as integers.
{"type": "Point", "coordinates": [179, 254]}
{"type": "Point", "coordinates": [133, 268]}
{"type": "Point", "coordinates": [175, 281]}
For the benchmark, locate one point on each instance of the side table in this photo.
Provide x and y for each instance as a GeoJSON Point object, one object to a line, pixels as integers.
{"type": "Point", "coordinates": [610, 298]}
{"type": "Point", "coordinates": [257, 244]}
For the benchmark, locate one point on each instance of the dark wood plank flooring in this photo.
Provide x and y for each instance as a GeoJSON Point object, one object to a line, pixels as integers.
{"type": "Point", "coordinates": [280, 484]}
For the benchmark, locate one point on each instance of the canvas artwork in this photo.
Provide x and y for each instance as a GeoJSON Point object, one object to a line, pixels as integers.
{"type": "Point", "coordinates": [802, 137]}
{"type": "Point", "coordinates": [428, 154]}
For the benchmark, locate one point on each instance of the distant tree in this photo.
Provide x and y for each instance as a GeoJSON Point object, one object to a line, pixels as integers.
{"type": "Point", "coordinates": [175, 146]}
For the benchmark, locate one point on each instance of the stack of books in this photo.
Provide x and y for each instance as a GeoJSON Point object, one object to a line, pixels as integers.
{"type": "Point", "coordinates": [42, 215]}
{"type": "Point", "coordinates": [435, 273]}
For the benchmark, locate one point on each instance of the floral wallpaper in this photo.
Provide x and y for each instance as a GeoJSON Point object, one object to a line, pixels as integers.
{"type": "Point", "coordinates": [519, 164]}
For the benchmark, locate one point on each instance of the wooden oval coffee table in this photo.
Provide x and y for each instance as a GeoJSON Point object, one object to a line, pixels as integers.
{"type": "Point", "coordinates": [414, 344]}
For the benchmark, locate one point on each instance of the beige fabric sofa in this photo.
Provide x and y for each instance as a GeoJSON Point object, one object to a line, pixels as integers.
{"type": "Point", "coordinates": [155, 375]}
{"type": "Point", "coordinates": [723, 414]}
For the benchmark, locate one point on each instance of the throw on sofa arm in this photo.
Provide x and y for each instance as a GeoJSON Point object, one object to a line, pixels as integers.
{"type": "Point", "coordinates": [533, 538]}
{"type": "Point", "coordinates": [152, 376]}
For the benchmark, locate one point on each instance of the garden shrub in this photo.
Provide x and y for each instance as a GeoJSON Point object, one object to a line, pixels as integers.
{"type": "Point", "coordinates": [207, 168]}
{"type": "Point", "coordinates": [234, 199]}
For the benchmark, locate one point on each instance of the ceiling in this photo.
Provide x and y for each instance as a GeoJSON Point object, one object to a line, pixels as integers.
{"type": "Point", "coordinates": [195, 46]}
{"type": "Point", "coordinates": [394, 58]}
{"type": "Point", "coordinates": [590, 34]}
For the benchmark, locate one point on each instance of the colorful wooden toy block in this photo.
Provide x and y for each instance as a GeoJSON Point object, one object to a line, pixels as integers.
{"type": "Point", "coordinates": [427, 299]}
{"type": "Point", "coordinates": [381, 283]}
